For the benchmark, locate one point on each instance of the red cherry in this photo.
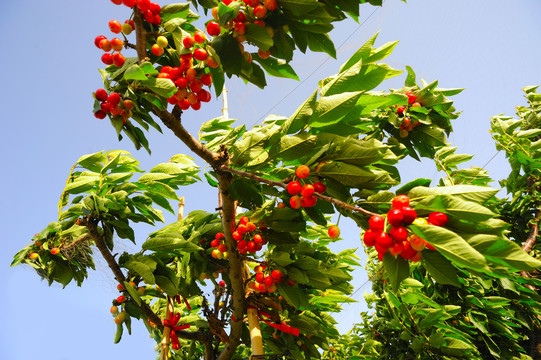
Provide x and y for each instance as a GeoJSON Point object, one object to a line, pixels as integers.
{"type": "Point", "coordinates": [242, 244]}
{"type": "Point", "coordinates": [384, 240]}
{"type": "Point", "coordinates": [395, 217]}
{"type": "Point", "coordinates": [260, 11]}
{"type": "Point", "coordinates": [251, 247]}
{"type": "Point", "coordinates": [399, 234]}
{"type": "Point", "coordinates": [244, 220]}
{"type": "Point", "coordinates": [270, 5]}
{"type": "Point", "coordinates": [334, 232]}
{"type": "Point", "coordinates": [199, 37]}
{"type": "Point", "coordinates": [294, 187]}
{"type": "Point", "coordinates": [188, 42]}
{"type": "Point", "coordinates": [101, 95]}
{"type": "Point", "coordinates": [437, 218]}
{"type": "Point", "coordinates": [113, 99]}
{"type": "Point", "coordinates": [181, 83]}
{"type": "Point", "coordinates": [295, 202]}
{"type": "Point", "coordinates": [302, 171]}
{"type": "Point", "coordinates": [105, 45]}
{"type": "Point", "coordinates": [319, 187]}
{"type": "Point", "coordinates": [213, 28]}
{"type": "Point", "coordinates": [155, 8]}
{"type": "Point", "coordinates": [115, 26]}
{"type": "Point", "coordinates": [258, 239]}
{"type": "Point", "coordinates": [400, 201]}
{"type": "Point", "coordinates": [157, 50]}
{"type": "Point", "coordinates": [411, 99]}
{"type": "Point", "coordinates": [269, 281]}
{"type": "Point", "coordinates": [397, 248]}
{"type": "Point", "coordinates": [221, 283]}
{"type": "Point", "coordinates": [376, 223]}
{"type": "Point", "coordinates": [240, 28]}
{"type": "Point", "coordinates": [240, 17]}
{"type": "Point", "coordinates": [237, 236]}
{"type": "Point", "coordinates": [307, 190]}
{"type": "Point", "coordinates": [120, 287]}
{"type": "Point", "coordinates": [241, 228]}
{"type": "Point", "coordinates": [98, 39]}
{"type": "Point", "coordinates": [219, 235]}
{"type": "Point", "coordinates": [129, 3]}
{"type": "Point", "coordinates": [408, 251]}
{"type": "Point", "coordinates": [276, 275]}
{"type": "Point", "coordinates": [409, 215]}
{"type": "Point", "coordinates": [215, 243]}
{"type": "Point", "coordinates": [222, 247]}
{"type": "Point", "coordinates": [143, 5]}
{"type": "Point", "coordinates": [309, 201]}
{"type": "Point", "coordinates": [401, 110]}
{"type": "Point", "coordinates": [120, 299]}
{"type": "Point", "coordinates": [105, 107]}
{"type": "Point", "coordinates": [118, 59]}
{"type": "Point", "coordinates": [100, 114]}
{"type": "Point", "coordinates": [116, 2]}
{"type": "Point", "coordinates": [260, 277]}
{"type": "Point", "coordinates": [370, 237]}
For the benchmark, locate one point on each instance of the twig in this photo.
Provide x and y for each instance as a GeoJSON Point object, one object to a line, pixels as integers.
{"type": "Point", "coordinates": [281, 184]}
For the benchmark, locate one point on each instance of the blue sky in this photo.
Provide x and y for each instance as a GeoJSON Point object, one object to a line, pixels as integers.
{"type": "Point", "coordinates": [50, 66]}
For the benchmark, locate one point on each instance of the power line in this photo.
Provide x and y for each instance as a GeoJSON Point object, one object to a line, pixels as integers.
{"type": "Point", "coordinates": [317, 68]}
{"type": "Point", "coordinates": [488, 162]}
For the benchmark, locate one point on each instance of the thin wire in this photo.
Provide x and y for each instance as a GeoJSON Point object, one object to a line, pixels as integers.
{"type": "Point", "coordinates": [488, 162]}
{"type": "Point", "coordinates": [317, 68]}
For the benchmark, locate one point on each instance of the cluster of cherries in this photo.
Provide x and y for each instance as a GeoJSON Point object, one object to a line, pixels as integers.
{"type": "Point", "coordinates": [407, 124]}
{"type": "Point", "coordinates": [252, 12]}
{"type": "Point", "coordinates": [113, 104]}
{"type": "Point", "coordinates": [191, 76]}
{"type": "Point", "coordinates": [306, 191]}
{"type": "Point", "coordinates": [149, 10]}
{"type": "Point", "coordinates": [113, 47]}
{"type": "Point", "coordinates": [397, 240]}
{"type": "Point", "coordinates": [248, 240]}
{"type": "Point", "coordinates": [120, 316]}
{"type": "Point", "coordinates": [266, 281]}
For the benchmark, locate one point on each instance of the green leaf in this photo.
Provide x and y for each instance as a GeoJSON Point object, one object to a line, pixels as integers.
{"type": "Point", "coordinates": [299, 8]}
{"type": "Point", "coordinates": [118, 334]}
{"type": "Point", "coordinates": [248, 193]}
{"type": "Point", "coordinates": [133, 293]}
{"type": "Point", "coordinates": [440, 268]}
{"type": "Point", "coordinates": [293, 295]}
{"type": "Point", "coordinates": [229, 52]}
{"type": "Point", "coordinates": [330, 109]}
{"type": "Point", "coordinates": [143, 266]}
{"type": "Point", "coordinates": [396, 268]}
{"type": "Point", "coordinates": [478, 194]}
{"type": "Point", "coordinates": [169, 238]}
{"type": "Point", "coordinates": [276, 67]}
{"type": "Point", "coordinates": [135, 72]}
{"type": "Point", "coordinates": [361, 54]}
{"type": "Point", "coordinates": [356, 176]}
{"type": "Point", "coordinates": [431, 319]}
{"type": "Point", "coordinates": [452, 246]}
{"type": "Point", "coordinates": [404, 189]}
{"type": "Point", "coordinates": [227, 13]}
{"type": "Point", "coordinates": [301, 116]}
{"type": "Point", "coordinates": [167, 285]}
{"type": "Point", "coordinates": [456, 207]}
{"type": "Point", "coordinates": [503, 252]}
{"type": "Point", "coordinates": [259, 36]}
{"type": "Point", "coordinates": [162, 87]}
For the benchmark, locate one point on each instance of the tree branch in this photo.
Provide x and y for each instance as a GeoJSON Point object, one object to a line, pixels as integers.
{"type": "Point", "coordinates": [235, 266]}
{"type": "Point", "coordinates": [140, 35]}
{"type": "Point", "coordinates": [281, 184]}
{"type": "Point", "coordinates": [534, 232]}
{"type": "Point", "coordinates": [174, 124]}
